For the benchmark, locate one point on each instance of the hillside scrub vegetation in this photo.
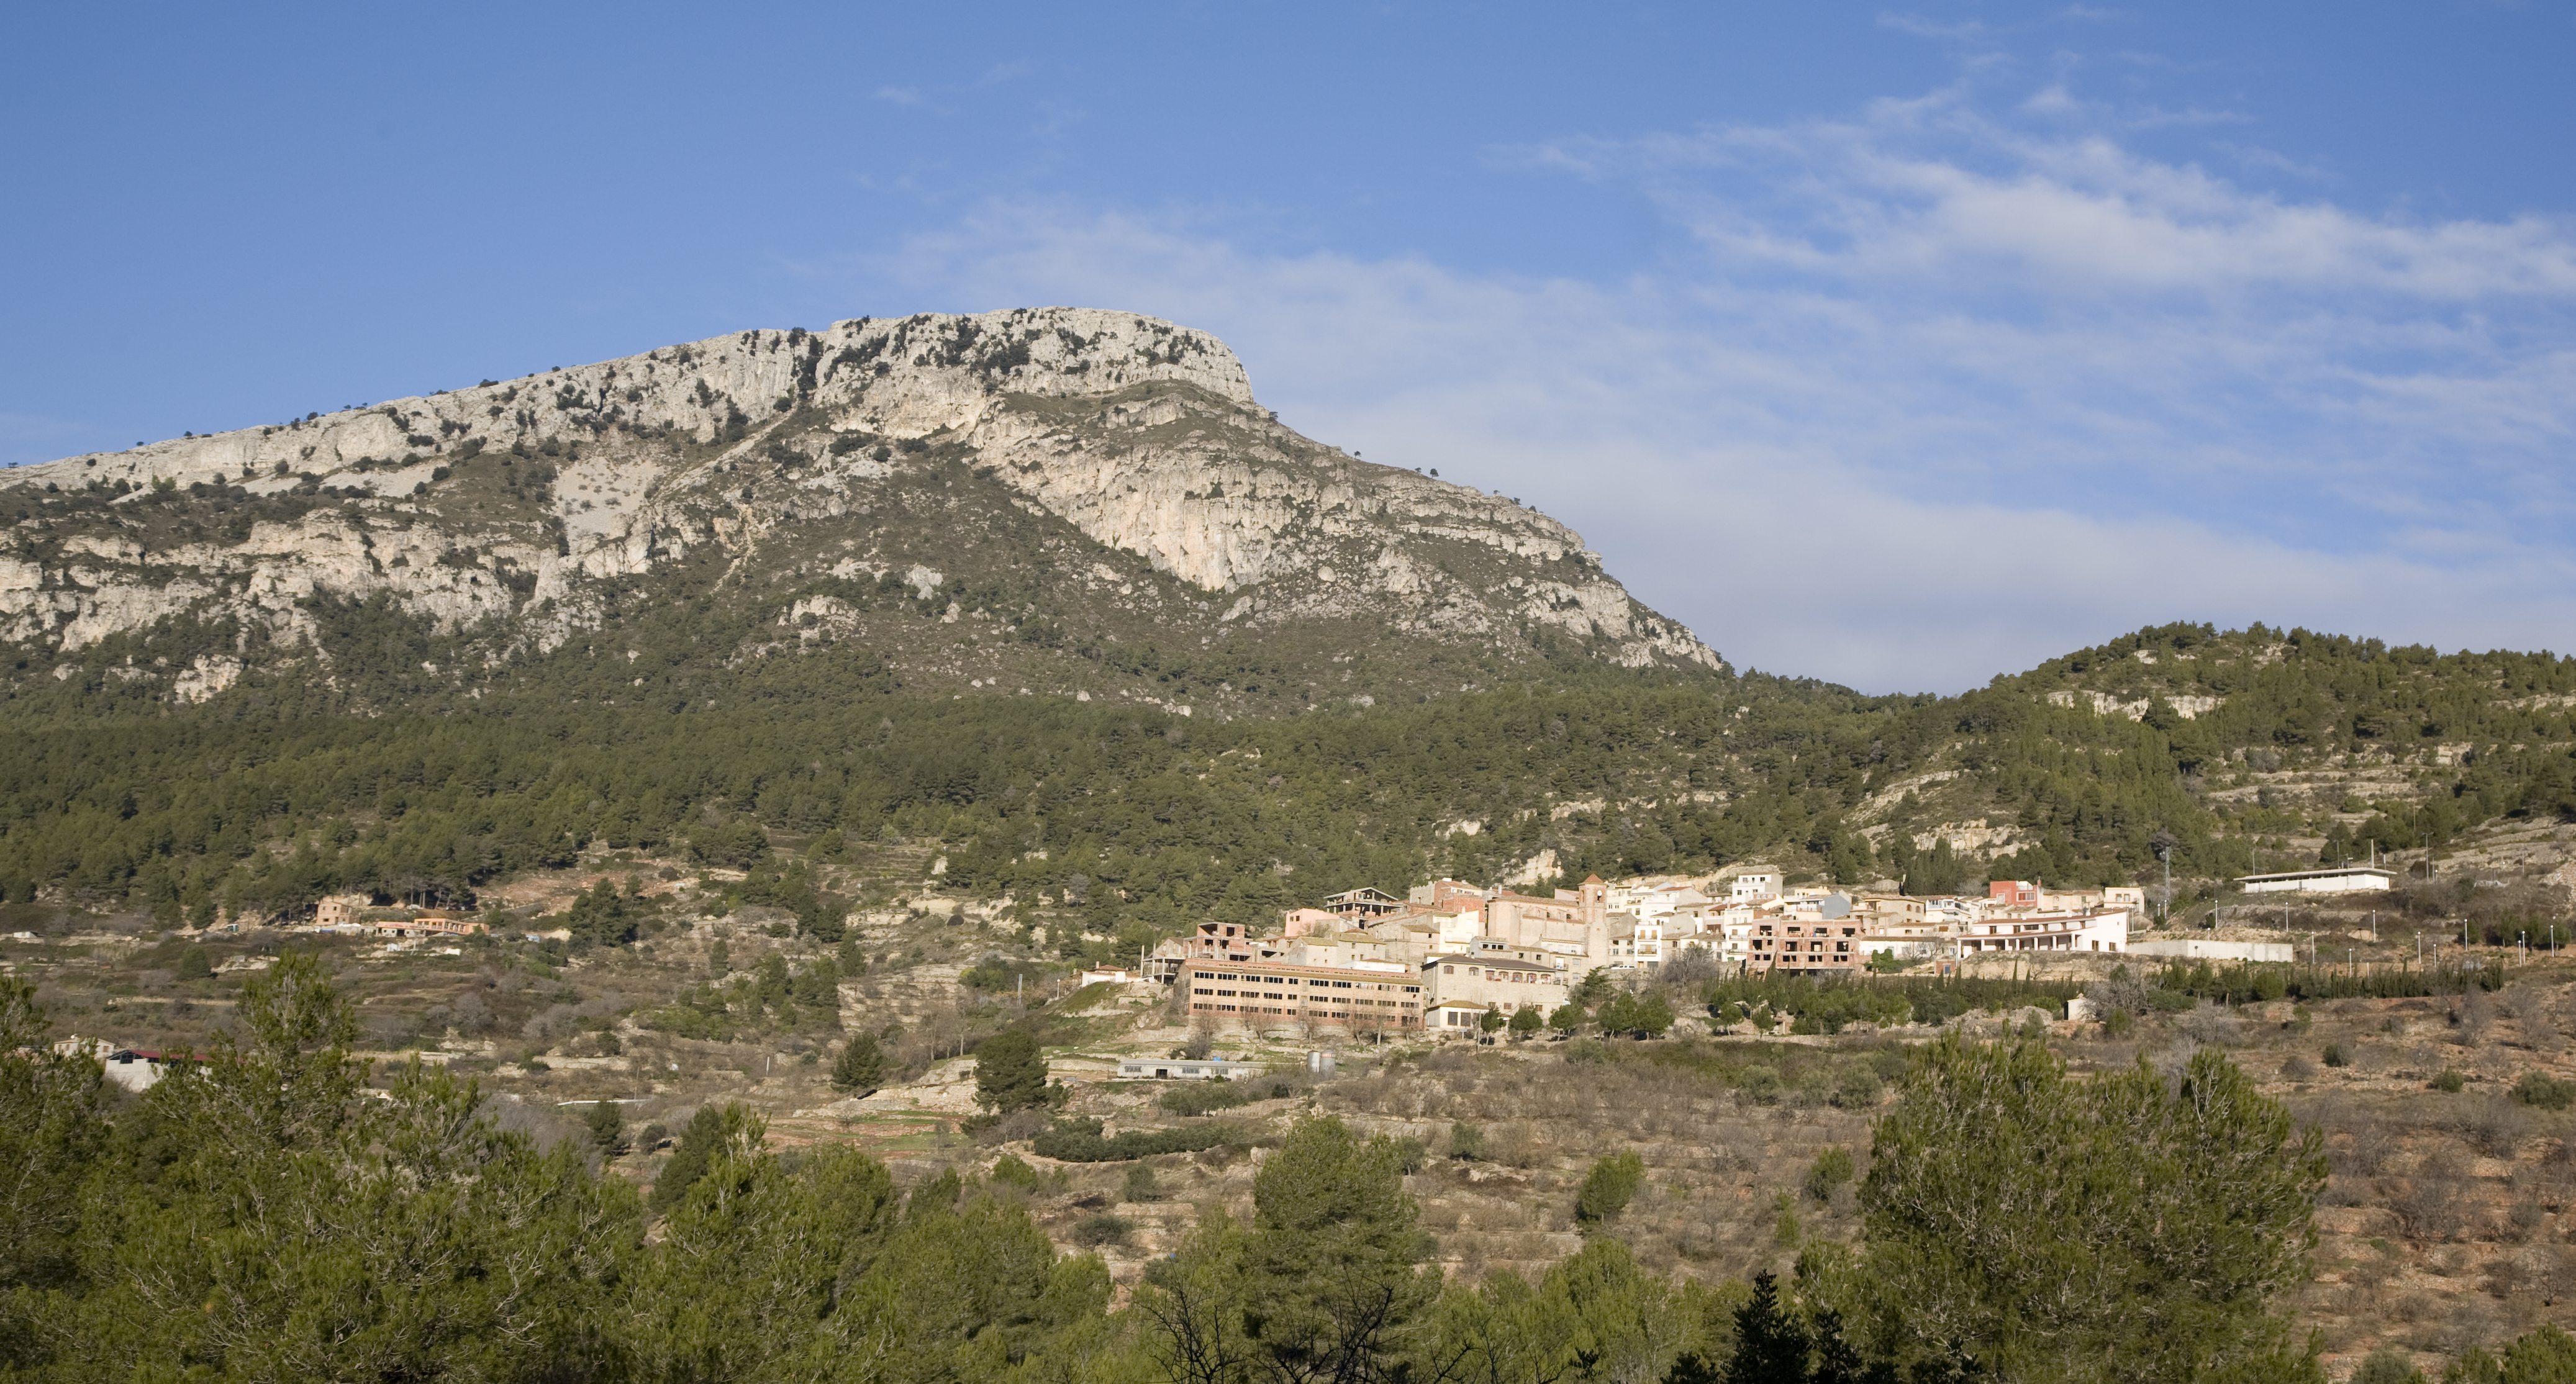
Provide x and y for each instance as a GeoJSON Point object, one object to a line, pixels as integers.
{"type": "Point", "coordinates": [1130, 819]}
{"type": "Point", "coordinates": [2016, 1219]}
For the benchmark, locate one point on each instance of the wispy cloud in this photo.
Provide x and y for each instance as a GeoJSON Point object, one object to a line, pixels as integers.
{"type": "Point", "coordinates": [1922, 27]}
{"type": "Point", "coordinates": [1934, 394]}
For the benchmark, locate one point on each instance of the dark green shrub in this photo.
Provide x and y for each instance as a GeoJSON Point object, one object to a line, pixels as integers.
{"type": "Point", "coordinates": [1857, 1088]}
{"type": "Point", "coordinates": [1608, 1188]}
{"type": "Point", "coordinates": [1103, 1229]}
{"type": "Point", "coordinates": [1200, 1097]}
{"type": "Point", "coordinates": [1832, 1169]}
{"type": "Point", "coordinates": [2540, 1090]}
{"type": "Point", "coordinates": [1011, 1170]}
{"type": "Point", "coordinates": [2387, 1365]}
{"type": "Point", "coordinates": [1080, 1141]}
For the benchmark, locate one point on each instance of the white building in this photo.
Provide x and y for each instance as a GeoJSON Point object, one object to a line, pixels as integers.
{"type": "Point", "coordinates": [1185, 1068]}
{"type": "Point", "coordinates": [2211, 949]}
{"type": "Point", "coordinates": [2352, 879]}
{"type": "Point", "coordinates": [1760, 884]}
{"type": "Point", "coordinates": [1491, 979]}
{"type": "Point", "coordinates": [2106, 931]}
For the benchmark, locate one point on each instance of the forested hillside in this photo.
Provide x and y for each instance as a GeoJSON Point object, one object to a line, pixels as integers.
{"type": "Point", "coordinates": [1049, 594]}
{"type": "Point", "coordinates": [2298, 747]}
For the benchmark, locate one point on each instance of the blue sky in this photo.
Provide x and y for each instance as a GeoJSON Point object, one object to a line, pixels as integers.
{"type": "Point", "coordinates": [1900, 346]}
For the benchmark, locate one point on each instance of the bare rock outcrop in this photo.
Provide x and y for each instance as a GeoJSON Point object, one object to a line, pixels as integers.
{"type": "Point", "coordinates": [1142, 436]}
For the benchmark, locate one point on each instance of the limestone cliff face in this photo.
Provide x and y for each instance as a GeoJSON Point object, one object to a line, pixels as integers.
{"type": "Point", "coordinates": [511, 506]}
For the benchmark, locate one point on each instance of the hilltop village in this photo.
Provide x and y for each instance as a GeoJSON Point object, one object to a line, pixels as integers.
{"type": "Point", "coordinates": [1449, 954]}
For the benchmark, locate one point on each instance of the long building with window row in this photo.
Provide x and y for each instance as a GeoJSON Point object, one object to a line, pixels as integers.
{"type": "Point", "coordinates": [1258, 994]}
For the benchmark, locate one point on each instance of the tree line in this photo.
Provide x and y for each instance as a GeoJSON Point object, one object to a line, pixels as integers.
{"type": "Point", "coordinates": [275, 1213]}
{"type": "Point", "coordinates": [271, 796]}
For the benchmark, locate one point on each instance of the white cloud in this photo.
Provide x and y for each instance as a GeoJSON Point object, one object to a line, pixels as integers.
{"type": "Point", "coordinates": [1936, 398]}
{"type": "Point", "coordinates": [1921, 27]}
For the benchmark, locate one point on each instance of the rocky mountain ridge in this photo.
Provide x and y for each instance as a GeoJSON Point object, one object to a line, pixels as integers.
{"type": "Point", "coordinates": [521, 515]}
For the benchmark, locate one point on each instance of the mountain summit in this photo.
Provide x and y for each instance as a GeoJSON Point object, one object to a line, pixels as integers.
{"type": "Point", "coordinates": [1068, 500]}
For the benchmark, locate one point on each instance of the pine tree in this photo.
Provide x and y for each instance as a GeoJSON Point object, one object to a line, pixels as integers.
{"type": "Point", "coordinates": [2543, 1355]}
{"type": "Point", "coordinates": [607, 1127]}
{"type": "Point", "coordinates": [1010, 1072]}
{"type": "Point", "coordinates": [1335, 1254]}
{"type": "Point", "coordinates": [1609, 1187]}
{"type": "Point", "coordinates": [714, 1132]}
{"type": "Point", "coordinates": [860, 1069]}
{"type": "Point", "coordinates": [2024, 1225]}
{"type": "Point", "coordinates": [1770, 1341]}
{"type": "Point", "coordinates": [50, 1131]}
{"type": "Point", "coordinates": [286, 1182]}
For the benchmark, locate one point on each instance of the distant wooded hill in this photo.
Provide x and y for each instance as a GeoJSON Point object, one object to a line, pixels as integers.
{"type": "Point", "coordinates": [275, 792]}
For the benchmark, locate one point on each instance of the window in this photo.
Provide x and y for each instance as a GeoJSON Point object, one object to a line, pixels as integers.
{"type": "Point", "coordinates": [1448, 970]}
{"type": "Point", "coordinates": [1202, 992]}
